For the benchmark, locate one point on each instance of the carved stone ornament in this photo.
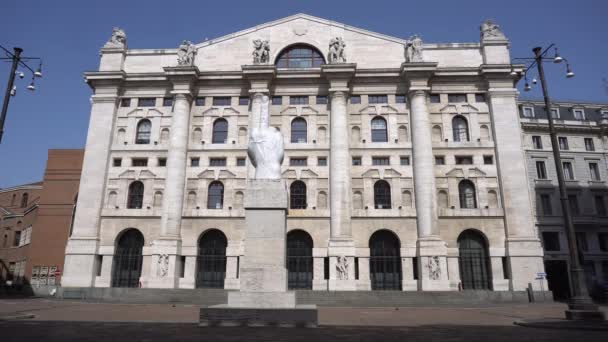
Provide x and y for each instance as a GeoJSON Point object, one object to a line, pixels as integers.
{"type": "Point", "coordinates": [265, 149]}
{"type": "Point", "coordinates": [434, 268]}
{"type": "Point", "coordinates": [261, 51]}
{"type": "Point", "coordinates": [413, 49]}
{"type": "Point", "coordinates": [342, 267]}
{"type": "Point", "coordinates": [336, 51]}
{"type": "Point", "coordinates": [490, 30]}
{"type": "Point", "coordinates": [163, 266]}
{"type": "Point", "coordinates": [186, 53]}
{"type": "Point", "coordinates": [118, 39]}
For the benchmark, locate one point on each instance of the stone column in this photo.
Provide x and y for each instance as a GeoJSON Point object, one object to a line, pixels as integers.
{"type": "Point", "coordinates": [82, 246]}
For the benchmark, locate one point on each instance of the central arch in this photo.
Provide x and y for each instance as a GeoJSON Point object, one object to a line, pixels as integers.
{"type": "Point", "coordinates": [126, 268]}
{"type": "Point", "coordinates": [474, 262]}
{"type": "Point", "coordinates": [385, 261]}
{"type": "Point", "coordinates": [298, 56]}
{"type": "Point", "coordinates": [299, 260]}
{"type": "Point", "coordinates": [211, 260]}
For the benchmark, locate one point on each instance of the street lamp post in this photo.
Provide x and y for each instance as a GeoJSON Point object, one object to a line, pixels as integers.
{"type": "Point", "coordinates": [11, 89]}
{"type": "Point", "coordinates": [580, 305]}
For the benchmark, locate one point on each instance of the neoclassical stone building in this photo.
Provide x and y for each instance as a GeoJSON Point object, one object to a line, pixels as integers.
{"type": "Point", "coordinates": [403, 159]}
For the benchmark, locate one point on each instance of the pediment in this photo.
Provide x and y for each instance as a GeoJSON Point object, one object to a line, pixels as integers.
{"type": "Point", "coordinates": [289, 173]}
{"type": "Point", "coordinates": [369, 110]}
{"type": "Point", "coordinates": [391, 173]}
{"type": "Point", "coordinates": [371, 173]}
{"type": "Point", "coordinates": [136, 112]}
{"type": "Point", "coordinates": [468, 108]}
{"type": "Point", "coordinates": [308, 174]}
{"type": "Point", "coordinates": [456, 172]}
{"type": "Point", "coordinates": [309, 111]}
{"type": "Point", "coordinates": [226, 174]}
{"type": "Point", "coordinates": [129, 174]}
{"type": "Point", "coordinates": [212, 112]}
{"type": "Point", "coordinates": [291, 110]}
{"type": "Point", "coordinates": [449, 109]}
{"type": "Point", "coordinates": [476, 172]}
{"type": "Point", "coordinates": [208, 174]}
{"type": "Point", "coordinates": [230, 111]}
{"type": "Point", "coordinates": [388, 110]}
{"type": "Point", "coordinates": [146, 174]}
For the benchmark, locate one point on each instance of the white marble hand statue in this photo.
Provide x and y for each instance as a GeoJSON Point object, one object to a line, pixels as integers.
{"type": "Point", "coordinates": [265, 148]}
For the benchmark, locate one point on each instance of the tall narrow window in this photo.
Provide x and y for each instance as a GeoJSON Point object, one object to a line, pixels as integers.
{"type": "Point", "coordinates": [579, 114]}
{"type": "Point", "coordinates": [537, 142]}
{"type": "Point", "coordinates": [600, 206]}
{"type": "Point", "coordinates": [298, 130]}
{"type": "Point", "coordinates": [573, 202]}
{"type": "Point", "coordinates": [379, 133]}
{"type": "Point", "coordinates": [466, 190]}
{"type": "Point", "coordinates": [589, 146]}
{"type": "Point", "coordinates": [144, 127]}
{"type": "Point", "coordinates": [220, 131]}
{"type": "Point", "coordinates": [215, 195]}
{"type": "Point", "coordinates": [545, 200]}
{"type": "Point", "coordinates": [460, 129]}
{"type": "Point", "coordinates": [568, 172]}
{"type": "Point", "coordinates": [24, 200]}
{"type": "Point", "coordinates": [297, 195]}
{"type": "Point", "coordinates": [382, 195]}
{"type": "Point", "coordinates": [541, 171]}
{"type": "Point", "coordinates": [563, 143]}
{"type": "Point", "coordinates": [136, 195]}
{"type": "Point", "coordinates": [594, 171]}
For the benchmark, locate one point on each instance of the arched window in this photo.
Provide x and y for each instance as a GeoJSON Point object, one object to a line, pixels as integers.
{"type": "Point", "coordinates": [436, 134]}
{"type": "Point", "coordinates": [474, 262]}
{"type": "Point", "coordinates": [385, 261]}
{"type": "Point", "coordinates": [297, 195]}
{"type": "Point", "coordinates": [466, 191]}
{"type": "Point", "coordinates": [164, 136]}
{"type": "Point", "coordinates": [379, 133]}
{"type": "Point", "coordinates": [357, 200]}
{"type": "Point", "coordinates": [128, 259]}
{"type": "Point", "coordinates": [158, 199]}
{"type": "Point", "coordinates": [442, 199]}
{"type": "Point", "coordinates": [215, 195]}
{"type": "Point", "coordinates": [120, 136]}
{"type": "Point", "coordinates": [299, 260]}
{"type": "Point", "coordinates": [242, 135]}
{"type": "Point", "coordinates": [300, 56]}
{"type": "Point", "coordinates": [220, 131]}
{"type": "Point", "coordinates": [191, 200]}
{"type": "Point", "coordinates": [492, 199]}
{"type": "Point", "coordinates": [24, 199]}
{"type": "Point", "coordinates": [460, 128]}
{"type": "Point", "coordinates": [197, 135]}
{"type": "Point", "coordinates": [355, 135]}
{"type": "Point", "coordinates": [112, 199]}
{"type": "Point", "coordinates": [298, 130]}
{"type": "Point", "coordinates": [211, 260]}
{"type": "Point", "coordinates": [144, 127]}
{"type": "Point", "coordinates": [406, 198]}
{"type": "Point", "coordinates": [403, 137]}
{"type": "Point", "coordinates": [238, 199]}
{"type": "Point", "coordinates": [135, 199]}
{"type": "Point", "coordinates": [321, 135]}
{"type": "Point", "coordinates": [322, 200]}
{"type": "Point", "coordinates": [484, 131]}
{"type": "Point", "coordinates": [382, 195]}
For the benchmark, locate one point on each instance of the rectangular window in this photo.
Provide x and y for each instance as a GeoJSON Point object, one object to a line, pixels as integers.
{"type": "Point", "coordinates": [321, 99]}
{"type": "Point", "coordinates": [563, 143]}
{"type": "Point", "coordinates": [603, 240]}
{"type": "Point", "coordinates": [116, 162]}
{"type": "Point", "coordinates": [554, 113]}
{"type": "Point", "coordinates": [356, 268]}
{"type": "Point", "coordinates": [589, 146]}
{"type": "Point", "coordinates": [298, 161]}
{"type": "Point", "coordinates": [195, 161]}
{"type": "Point", "coordinates": [568, 172]}
{"type": "Point", "coordinates": [356, 161]}
{"type": "Point", "coordinates": [139, 162]}
{"type": "Point", "coordinates": [168, 102]}
{"type": "Point", "coordinates": [400, 99]}
{"type": "Point", "coordinates": [415, 268]}
{"type": "Point", "coordinates": [298, 100]}
{"type": "Point", "coordinates": [505, 268]}
{"type": "Point", "coordinates": [381, 161]}
{"type": "Point", "coordinates": [182, 266]}
{"type": "Point", "coordinates": [240, 161]}
{"type": "Point", "coordinates": [162, 162]}
{"type": "Point", "coordinates": [581, 241]}
{"type": "Point", "coordinates": [17, 238]}
{"type": "Point", "coordinates": [545, 201]}
{"type": "Point", "coordinates": [537, 142]}
{"type": "Point", "coordinates": [464, 160]}
{"type": "Point", "coordinates": [277, 100]}
{"type": "Point", "coordinates": [551, 241]}
{"type": "Point", "coordinates": [439, 160]}
{"type": "Point", "coordinates": [528, 112]}
{"type": "Point", "coordinates": [457, 98]}
{"type": "Point", "coordinates": [579, 114]}
{"type": "Point", "coordinates": [146, 102]}
{"type": "Point", "coordinates": [600, 206]}
{"type": "Point", "coordinates": [125, 102]}
{"type": "Point", "coordinates": [435, 98]}
{"type": "Point", "coordinates": [488, 160]}
{"type": "Point", "coordinates": [594, 172]}
{"type": "Point", "coordinates": [98, 264]}
{"type": "Point", "coordinates": [243, 101]}
{"type": "Point", "coordinates": [322, 161]}
{"type": "Point", "coordinates": [199, 101]}
{"type": "Point", "coordinates": [355, 99]}
{"type": "Point", "coordinates": [404, 160]}
{"type": "Point", "coordinates": [541, 171]}
{"type": "Point", "coordinates": [326, 268]}
{"type": "Point", "coordinates": [221, 101]}
{"type": "Point", "coordinates": [480, 98]}
{"type": "Point", "coordinates": [217, 161]}
{"type": "Point", "coordinates": [372, 99]}
{"type": "Point", "coordinates": [573, 202]}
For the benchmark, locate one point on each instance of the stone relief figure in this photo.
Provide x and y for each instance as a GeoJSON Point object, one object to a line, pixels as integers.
{"type": "Point", "coordinates": [490, 30]}
{"type": "Point", "coordinates": [342, 268]}
{"type": "Point", "coordinates": [413, 49]}
{"type": "Point", "coordinates": [118, 39]}
{"type": "Point", "coordinates": [434, 268]}
{"type": "Point", "coordinates": [163, 265]}
{"type": "Point", "coordinates": [266, 149]}
{"type": "Point", "coordinates": [261, 51]}
{"type": "Point", "coordinates": [336, 51]}
{"type": "Point", "coordinates": [185, 53]}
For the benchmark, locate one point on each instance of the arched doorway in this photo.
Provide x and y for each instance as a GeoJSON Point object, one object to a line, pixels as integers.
{"type": "Point", "coordinates": [385, 261]}
{"type": "Point", "coordinates": [126, 268]}
{"type": "Point", "coordinates": [299, 260]}
{"type": "Point", "coordinates": [474, 262]}
{"type": "Point", "coordinates": [211, 260]}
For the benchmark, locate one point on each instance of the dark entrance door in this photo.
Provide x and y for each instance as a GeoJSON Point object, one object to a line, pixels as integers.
{"type": "Point", "coordinates": [385, 261]}
{"type": "Point", "coordinates": [126, 268]}
{"type": "Point", "coordinates": [557, 277]}
{"type": "Point", "coordinates": [474, 261]}
{"type": "Point", "coordinates": [211, 260]}
{"type": "Point", "coordinates": [299, 260]}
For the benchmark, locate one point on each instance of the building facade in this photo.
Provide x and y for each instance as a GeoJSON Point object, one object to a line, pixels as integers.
{"type": "Point", "coordinates": [583, 145]}
{"type": "Point", "coordinates": [404, 161]}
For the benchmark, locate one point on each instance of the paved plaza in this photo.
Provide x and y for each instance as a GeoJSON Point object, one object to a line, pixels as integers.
{"type": "Point", "coordinates": [56, 320]}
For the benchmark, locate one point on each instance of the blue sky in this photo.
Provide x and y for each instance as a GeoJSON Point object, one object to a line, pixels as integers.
{"type": "Point", "coordinates": [69, 34]}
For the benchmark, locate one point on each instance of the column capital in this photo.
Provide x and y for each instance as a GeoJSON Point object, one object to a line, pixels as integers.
{"type": "Point", "coordinates": [183, 78]}
{"type": "Point", "coordinates": [260, 76]}
{"type": "Point", "coordinates": [419, 91]}
{"type": "Point", "coordinates": [338, 75]}
{"type": "Point", "coordinates": [418, 75]}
